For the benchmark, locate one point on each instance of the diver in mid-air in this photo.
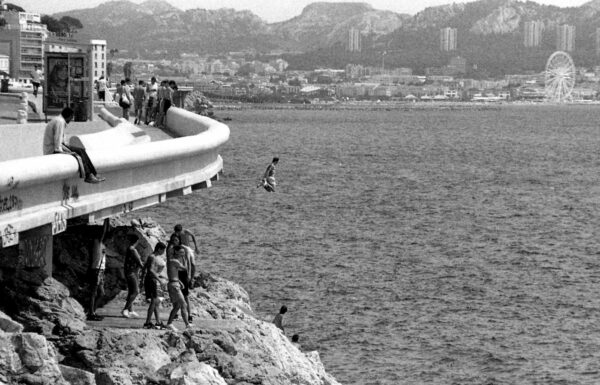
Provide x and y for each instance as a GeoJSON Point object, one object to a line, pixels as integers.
{"type": "Point", "coordinates": [268, 180]}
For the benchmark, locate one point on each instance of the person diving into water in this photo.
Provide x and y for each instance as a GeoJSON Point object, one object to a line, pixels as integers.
{"type": "Point", "coordinates": [268, 180]}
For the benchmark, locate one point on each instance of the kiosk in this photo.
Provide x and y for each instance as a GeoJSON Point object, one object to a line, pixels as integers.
{"type": "Point", "coordinates": [68, 84]}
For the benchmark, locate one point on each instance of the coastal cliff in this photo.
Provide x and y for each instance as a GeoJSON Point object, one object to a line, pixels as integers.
{"type": "Point", "coordinates": [45, 339]}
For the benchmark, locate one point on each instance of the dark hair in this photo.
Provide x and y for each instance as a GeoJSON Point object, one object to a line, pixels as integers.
{"type": "Point", "coordinates": [127, 80]}
{"type": "Point", "coordinates": [178, 228]}
{"type": "Point", "coordinates": [173, 236]}
{"type": "Point", "coordinates": [160, 246]}
{"type": "Point", "coordinates": [132, 238]}
{"type": "Point", "coordinates": [153, 78]}
{"type": "Point", "coordinates": [141, 82]}
{"type": "Point", "coordinates": [283, 310]}
{"type": "Point", "coordinates": [178, 248]}
{"type": "Point", "coordinates": [122, 82]}
{"type": "Point", "coordinates": [295, 338]}
{"type": "Point", "coordinates": [67, 112]}
{"type": "Point", "coordinates": [275, 159]}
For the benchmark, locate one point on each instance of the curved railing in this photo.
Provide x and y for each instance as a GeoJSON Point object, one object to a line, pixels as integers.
{"type": "Point", "coordinates": [47, 189]}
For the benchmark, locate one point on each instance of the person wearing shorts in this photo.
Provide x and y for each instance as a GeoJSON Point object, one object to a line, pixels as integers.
{"type": "Point", "coordinates": [151, 280]}
{"type": "Point", "coordinates": [174, 265]}
{"type": "Point", "coordinates": [133, 264]}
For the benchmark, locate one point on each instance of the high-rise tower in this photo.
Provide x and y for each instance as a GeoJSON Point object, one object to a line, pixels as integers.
{"type": "Point", "coordinates": [565, 37]}
{"type": "Point", "coordinates": [448, 39]}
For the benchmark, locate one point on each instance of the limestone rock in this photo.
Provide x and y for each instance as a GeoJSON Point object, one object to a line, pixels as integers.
{"type": "Point", "coordinates": [196, 373]}
{"type": "Point", "coordinates": [76, 376]}
{"type": "Point", "coordinates": [51, 290]}
{"type": "Point", "coordinates": [8, 325]}
{"type": "Point", "coordinates": [113, 376]}
{"type": "Point", "coordinates": [29, 358]}
{"type": "Point", "coordinates": [51, 310]}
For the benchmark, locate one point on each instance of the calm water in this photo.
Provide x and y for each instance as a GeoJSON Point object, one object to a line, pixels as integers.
{"type": "Point", "coordinates": [423, 247]}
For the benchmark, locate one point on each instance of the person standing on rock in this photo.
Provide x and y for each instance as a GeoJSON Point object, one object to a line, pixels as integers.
{"type": "Point", "coordinates": [186, 276]}
{"type": "Point", "coordinates": [174, 266]}
{"type": "Point", "coordinates": [97, 267]}
{"type": "Point", "coordinates": [278, 320]}
{"type": "Point", "coordinates": [133, 264]}
{"type": "Point", "coordinates": [185, 236]}
{"type": "Point", "coordinates": [154, 265]}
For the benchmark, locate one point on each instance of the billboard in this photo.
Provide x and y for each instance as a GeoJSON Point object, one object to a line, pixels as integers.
{"type": "Point", "coordinates": [67, 83]}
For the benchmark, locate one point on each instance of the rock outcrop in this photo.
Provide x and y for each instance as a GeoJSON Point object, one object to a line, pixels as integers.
{"type": "Point", "coordinates": [44, 339]}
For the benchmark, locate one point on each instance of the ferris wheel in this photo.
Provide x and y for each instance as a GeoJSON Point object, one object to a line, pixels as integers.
{"type": "Point", "coordinates": [560, 77]}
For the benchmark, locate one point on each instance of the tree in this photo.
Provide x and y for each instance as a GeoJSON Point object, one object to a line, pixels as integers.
{"type": "Point", "coordinates": [67, 25]}
{"type": "Point", "coordinates": [13, 7]}
{"type": "Point", "coordinates": [52, 24]}
{"type": "Point", "coordinates": [70, 24]}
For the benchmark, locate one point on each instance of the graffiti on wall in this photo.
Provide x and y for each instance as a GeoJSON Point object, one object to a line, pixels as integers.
{"type": "Point", "coordinates": [10, 236]}
{"type": "Point", "coordinates": [59, 223]}
{"type": "Point", "coordinates": [69, 192]}
{"type": "Point", "coordinates": [127, 207]}
{"type": "Point", "coordinates": [33, 250]}
{"type": "Point", "coordinates": [10, 203]}
{"type": "Point", "coordinates": [12, 184]}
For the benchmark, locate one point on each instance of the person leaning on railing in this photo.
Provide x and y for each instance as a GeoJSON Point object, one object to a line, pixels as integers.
{"type": "Point", "coordinates": [54, 143]}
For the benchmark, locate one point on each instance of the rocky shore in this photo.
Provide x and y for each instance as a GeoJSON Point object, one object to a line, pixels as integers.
{"type": "Point", "coordinates": [45, 338]}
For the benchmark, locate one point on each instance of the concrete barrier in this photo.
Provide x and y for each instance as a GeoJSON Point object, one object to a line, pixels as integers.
{"type": "Point", "coordinates": [46, 191]}
{"type": "Point", "coordinates": [122, 133]}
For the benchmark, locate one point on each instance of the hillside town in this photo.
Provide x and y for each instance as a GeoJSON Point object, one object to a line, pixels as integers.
{"type": "Point", "coordinates": [247, 76]}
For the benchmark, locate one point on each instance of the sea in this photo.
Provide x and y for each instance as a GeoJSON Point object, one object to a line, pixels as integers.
{"type": "Point", "coordinates": [416, 246]}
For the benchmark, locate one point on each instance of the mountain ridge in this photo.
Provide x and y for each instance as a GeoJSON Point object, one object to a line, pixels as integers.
{"type": "Point", "coordinates": [490, 33]}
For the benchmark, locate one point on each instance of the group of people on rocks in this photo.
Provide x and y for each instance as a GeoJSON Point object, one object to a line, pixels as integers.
{"type": "Point", "coordinates": [278, 321]}
{"type": "Point", "coordinates": [180, 267]}
{"type": "Point", "coordinates": [150, 101]}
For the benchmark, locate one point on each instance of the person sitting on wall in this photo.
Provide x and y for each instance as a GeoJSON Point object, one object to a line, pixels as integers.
{"type": "Point", "coordinates": [54, 143]}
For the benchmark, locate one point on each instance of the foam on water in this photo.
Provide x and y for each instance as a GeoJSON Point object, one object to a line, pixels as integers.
{"type": "Point", "coordinates": [416, 247]}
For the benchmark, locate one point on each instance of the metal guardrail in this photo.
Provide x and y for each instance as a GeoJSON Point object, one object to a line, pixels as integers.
{"type": "Point", "coordinates": [47, 190]}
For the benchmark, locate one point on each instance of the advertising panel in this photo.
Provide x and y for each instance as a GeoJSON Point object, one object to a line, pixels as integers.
{"type": "Point", "coordinates": [67, 83]}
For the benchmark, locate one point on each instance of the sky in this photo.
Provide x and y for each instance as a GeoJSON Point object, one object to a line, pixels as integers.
{"type": "Point", "coordinates": [269, 10]}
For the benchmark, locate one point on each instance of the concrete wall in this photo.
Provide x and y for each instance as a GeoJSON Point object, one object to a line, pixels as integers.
{"type": "Point", "coordinates": [44, 190]}
{"type": "Point", "coordinates": [21, 140]}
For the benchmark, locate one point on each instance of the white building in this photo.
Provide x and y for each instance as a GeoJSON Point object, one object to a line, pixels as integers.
{"type": "Point", "coordinates": [98, 58]}
{"type": "Point", "coordinates": [4, 63]}
{"type": "Point", "coordinates": [448, 39]}
{"type": "Point", "coordinates": [354, 40]}
{"type": "Point", "coordinates": [533, 33]}
{"type": "Point", "coordinates": [565, 37]}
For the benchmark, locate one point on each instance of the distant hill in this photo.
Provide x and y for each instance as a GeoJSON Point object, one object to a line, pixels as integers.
{"type": "Point", "coordinates": [156, 25]}
{"type": "Point", "coordinates": [490, 33]}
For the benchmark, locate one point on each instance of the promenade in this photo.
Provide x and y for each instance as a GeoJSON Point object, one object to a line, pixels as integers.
{"type": "Point", "coordinates": [9, 103]}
